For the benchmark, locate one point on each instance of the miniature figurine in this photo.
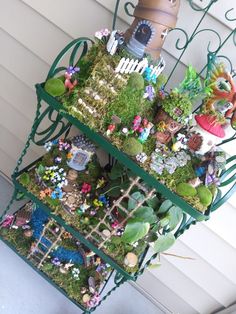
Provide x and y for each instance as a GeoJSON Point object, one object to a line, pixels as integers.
{"type": "Point", "coordinates": [145, 133]}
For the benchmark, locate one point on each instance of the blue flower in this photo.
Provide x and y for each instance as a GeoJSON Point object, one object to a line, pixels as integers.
{"type": "Point", "coordinates": [103, 199]}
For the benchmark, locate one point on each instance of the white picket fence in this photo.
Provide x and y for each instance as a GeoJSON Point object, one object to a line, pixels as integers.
{"type": "Point", "coordinates": [128, 66]}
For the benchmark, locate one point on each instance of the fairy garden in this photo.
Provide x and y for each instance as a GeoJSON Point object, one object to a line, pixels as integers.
{"type": "Point", "coordinates": [53, 250]}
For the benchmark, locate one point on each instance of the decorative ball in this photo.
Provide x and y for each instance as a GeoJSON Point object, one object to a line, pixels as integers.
{"type": "Point", "coordinates": [86, 298]}
{"type": "Point", "coordinates": [106, 233]}
{"type": "Point", "coordinates": [132, 146]}
{"type": "Point", "coordinates": [205, 195]}
{"type": "Point", "coordinates": [185, 189]}
{"type": "Point", "coordinates": [136, 81]}
{"type": "Point", "coordinates": [55, 87]}
{"type": "Point", "coordinates": [131, 260]}
{"type": "Point", "coordinates": [28, 233]}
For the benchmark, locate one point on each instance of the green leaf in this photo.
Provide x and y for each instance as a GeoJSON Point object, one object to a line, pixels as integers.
{"type": "Point", "coordinates": [40, 169]}
{"type": "Point", "coordinates": [145, 214]}
{"type": "Point", "coordinates": [164, 242]}
{"type": "Point", "coordinates": [175, 215]}
{"type": "Point", "coordinates": [153, 202]}
{"type": "Point", "coordinates": [137, 197]}
{"type": "Point", "coordinates": [152, 237]}
{"type": "Point", "coordinates": [116, 172]}
{"type": "Point", "coordinates": [165, 206]}
{"type": "Point", "coordinates": [164, 222]}
{"type": "Point", "coordinates": [24, 178]}
{"type": "Point", "coordinates": [135, 230]}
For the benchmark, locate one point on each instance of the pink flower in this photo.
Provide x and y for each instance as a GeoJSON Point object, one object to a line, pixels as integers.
{"type": "Point", "coordinates": [115, 224]}
{"type": "Point", "coordinates": [86, 188]}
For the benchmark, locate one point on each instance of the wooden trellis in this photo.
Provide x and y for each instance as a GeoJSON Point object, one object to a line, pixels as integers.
{"type": "Point", "coordinates": [95, 234]}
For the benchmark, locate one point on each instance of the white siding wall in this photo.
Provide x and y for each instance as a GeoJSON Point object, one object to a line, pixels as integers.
{"type": "Point", "coordinates": [32, 32]}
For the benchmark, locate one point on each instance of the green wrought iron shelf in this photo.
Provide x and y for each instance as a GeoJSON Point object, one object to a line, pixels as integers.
{"type": "Point", "coordinates": [120, 156]}
{"type": "Point", "coordinates": [72, 230]}
{"type": "Point", "coordinates": [61, 122]}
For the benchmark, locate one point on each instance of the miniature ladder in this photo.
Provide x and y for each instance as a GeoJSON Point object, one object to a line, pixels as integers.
{"type": "Point", "coordinates": [117, 204]}
{"type": "Point", "coordinates": [41, 251]}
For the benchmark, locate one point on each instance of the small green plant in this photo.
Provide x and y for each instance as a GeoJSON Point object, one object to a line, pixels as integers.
{"type": "Point", "coordinates": [178, 106]}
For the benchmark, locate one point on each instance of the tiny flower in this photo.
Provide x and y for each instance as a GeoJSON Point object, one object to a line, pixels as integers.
{"type": "Point", "coordinates": [97, 203]}
{"type": "Point", "coordinates": [103, 199]}
{"type": "Point", "coordinates": [75, 273]}
{"type": "Point", "coordinates": [42, 195]}
{"type": "Point", "coordinates": [58, 160]}
{"type": "Point", "coordinates": [48, 146]}
{"type": "Point", "coordinates": [86, 188]}
{"type": "Point", "coordinates": [72, 70]}
{"type": "Point", "coordinates": [56, 262]}
{"type": "Point", "coordinates": [115, 224]}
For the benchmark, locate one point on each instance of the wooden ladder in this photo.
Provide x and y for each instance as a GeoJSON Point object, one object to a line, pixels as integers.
{"type": "Point", "coordinates": [40, 252]}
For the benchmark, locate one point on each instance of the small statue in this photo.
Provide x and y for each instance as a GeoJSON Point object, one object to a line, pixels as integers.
{"type": "Point", "coordinates": [145, 133]}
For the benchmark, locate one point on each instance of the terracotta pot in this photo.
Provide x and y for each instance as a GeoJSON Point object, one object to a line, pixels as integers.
{"type": "Point", "coordinates": [171, 127]}
{"type": "Point", "coordinates": [153, 20]}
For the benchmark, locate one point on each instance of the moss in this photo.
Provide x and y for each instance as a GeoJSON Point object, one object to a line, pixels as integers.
{"type": "Point", "coordinates": [126, 106]}
{"type": "Point", "coordinates": [185, 189]}
{"type": "Point", "coordinates": [136, 81]}
{"type": "Point", "coordinates": [177, 101]}
{"type": "Point", "coordinates": [149, 146]}
{"type": "Point", "coordinates": [132, 146]}
{"type": "Point", "coordinates": [182, 174]}
{"type": "Point", "coordinates": [55, 87]}
{"type": "Point", "coordinates": [204, 195]}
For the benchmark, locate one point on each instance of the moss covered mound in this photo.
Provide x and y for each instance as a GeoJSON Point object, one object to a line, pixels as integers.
{"type": "Point", "coordinates": [185, 189]}
{"type": "Point", "coordinates": [132, 146]}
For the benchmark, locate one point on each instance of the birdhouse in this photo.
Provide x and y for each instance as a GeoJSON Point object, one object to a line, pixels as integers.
{"type": "Point", "coordinates": [153, 20]}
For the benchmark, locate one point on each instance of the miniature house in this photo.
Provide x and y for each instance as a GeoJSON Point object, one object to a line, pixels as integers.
{"type": "Point", "coordinates": [153, 20]}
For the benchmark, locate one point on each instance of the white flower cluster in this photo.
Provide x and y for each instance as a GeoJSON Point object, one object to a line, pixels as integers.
{"type": "Point", "coordinates": [75, 273]}
{"type": "Point", "coordinates": [142, 157]}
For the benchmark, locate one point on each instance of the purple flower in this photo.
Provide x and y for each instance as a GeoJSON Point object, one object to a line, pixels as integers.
{"type": "Point", "coordinates": [149, 93]}
{"type": "Point", "coordinates": [72, 70]}
{"type": "Point", "coordinates": [56, 262]}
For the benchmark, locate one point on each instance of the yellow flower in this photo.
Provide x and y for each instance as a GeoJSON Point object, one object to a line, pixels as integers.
{"type": "Point", "coordinates": [97, 203]}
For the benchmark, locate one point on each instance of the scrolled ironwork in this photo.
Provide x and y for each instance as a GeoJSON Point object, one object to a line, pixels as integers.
{"type": "Point", "coordinates": [82, 43]}
{"type": "Point", "coordinates": [56, 127]}
{"type": "Point", "coordinates": [196, 7]}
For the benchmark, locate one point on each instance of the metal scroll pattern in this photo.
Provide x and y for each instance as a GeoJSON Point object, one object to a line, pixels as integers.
{"type": "Point", "coordinates": [57, 126]}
